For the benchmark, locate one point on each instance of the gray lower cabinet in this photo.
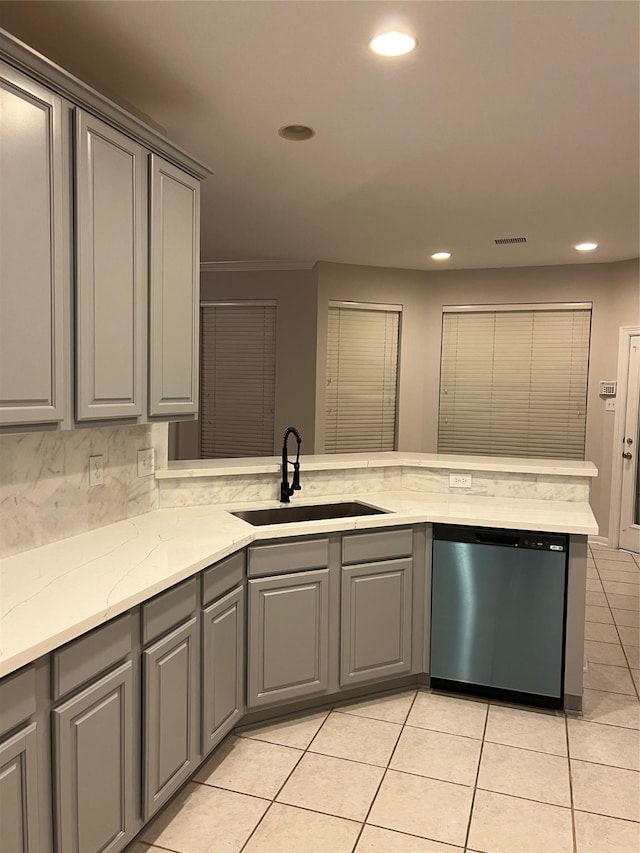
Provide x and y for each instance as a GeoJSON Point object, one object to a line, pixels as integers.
{"type": "Point", "coordinates": [94, 736]}
{"type": "Point", "coordinates": [222, 667]}
{"type": "Point", "coordinates": [19, 824]}
{"type": "Point", "coordinates": [288, 637]}
{"type": "Point", "coordinates": [376, 620]}
{"type": "Point", "coordinates": [171, 713]}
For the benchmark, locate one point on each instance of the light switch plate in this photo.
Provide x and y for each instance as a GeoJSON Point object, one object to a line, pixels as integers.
{"type": "Point", "coordinates": [610, 405]}
{"type": "Point", "coordinates": [96, 471]}
{"type": "Point", "coordinates": [146, 462]}
{"type": "Point", "coordinates": [460, 481]}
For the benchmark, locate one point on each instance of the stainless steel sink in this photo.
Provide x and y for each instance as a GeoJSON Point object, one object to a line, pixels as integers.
{"type": "Point", "coordinates": [287, 514]}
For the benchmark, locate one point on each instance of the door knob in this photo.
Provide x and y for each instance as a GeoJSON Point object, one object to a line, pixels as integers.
{"type": "Point", "coordinates": [629, 441]}
{"type": "Point", "coordinates": [627, 455]}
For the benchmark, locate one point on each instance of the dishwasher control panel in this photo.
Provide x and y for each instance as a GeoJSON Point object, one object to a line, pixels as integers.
{"type": "Point", "coordinates": [541, 544]}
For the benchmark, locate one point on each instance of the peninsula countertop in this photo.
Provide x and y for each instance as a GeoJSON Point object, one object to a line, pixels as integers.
{"type": "Point", "coordinates": [53, 594]}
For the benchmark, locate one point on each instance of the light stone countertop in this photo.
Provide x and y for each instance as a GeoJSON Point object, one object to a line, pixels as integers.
{"type": "Point", "coordinates": [53, 594]}
{"type": "Point", "coordinates": [329, 461]}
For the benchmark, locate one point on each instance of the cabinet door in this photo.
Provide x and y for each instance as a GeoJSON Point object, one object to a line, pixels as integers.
{"type": "Point", "coordinates": [288, 637]}
{"type": "Point", "coordinates": [111, 268]}
{"type": "Point", "coordinates": [222, 667]}
{"type": "Point", "coordinates": [171, 714]}
{"type": "Point", "coordinates": [34, 223]}
{"type": "Point", "coordinates": [174, 309]}
{"type": "Point", "coordinates": [376, 621]}
{"type": "Point", "coordinates": [94, 750]}
{"type": "Point", "coordinates": [19, 793]}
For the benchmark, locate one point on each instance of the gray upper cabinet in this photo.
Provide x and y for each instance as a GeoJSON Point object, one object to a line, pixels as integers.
{"type": "Point", "coordinates": [174, 291]}
{"type": "Point", "coordinates": [111, 250]}
{"type": "Point", "coordinates": [376, 622]}
{"type": "Point", "coordinates": [134, 236]}
{"type": "Point", "coordinates": [94, 741]}
{"type": "Point", "coordinates": [34, 220]}
{"type": "Point", "coordinates": [288, 637]}
{"type": "Point", "coordinates": [222, 667]}
{"type": "Point", "coordinates": [19, 827]}
{"type": "Point", "coordinates": [171, 714]}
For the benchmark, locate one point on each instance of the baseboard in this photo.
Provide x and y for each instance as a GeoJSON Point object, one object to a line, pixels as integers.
{"type": "Point", "coordinates": [599, 540]}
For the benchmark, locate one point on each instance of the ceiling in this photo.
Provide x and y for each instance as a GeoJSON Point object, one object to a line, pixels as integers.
{"type": "Point", "coordinates": [510, 119]}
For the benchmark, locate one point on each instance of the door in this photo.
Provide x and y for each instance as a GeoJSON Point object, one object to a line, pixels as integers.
{"type": "Point", "coordinates": [288, 637]}
{"type": "Point", "coordinates": [19, 793]}
{"type": "Point", "coordinates": [34, 225]}
{"type": "Point", "coordinates": [171, 714]}
{"type": "Point", "coordinates": [174, 292]}
{"type": "Point", "coordinates": [111, 270]}
{"type": "Point", "coordinates": [376, 621]}
{"type": "Point", "coordinates": [630, 501]}
{"type": "Point", "coordinates": [94, 759]}
{"type": "Point", "coordinates": [222, 667]}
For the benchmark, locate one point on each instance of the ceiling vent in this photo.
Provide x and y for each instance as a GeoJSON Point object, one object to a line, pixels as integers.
{"type": "Point", "coordinates": [503, 241]}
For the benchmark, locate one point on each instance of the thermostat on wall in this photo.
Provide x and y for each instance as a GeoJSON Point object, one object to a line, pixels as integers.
{"type": "Point", "coordinates": [608, 389]}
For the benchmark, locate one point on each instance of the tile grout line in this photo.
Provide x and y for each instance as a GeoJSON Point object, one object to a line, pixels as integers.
{"type": "Point", "coordinates": [384, 774]}
{"type": "Point", "coordinates": [628, 667]}
{"type": "Point", "coordinates": [279, 791]}
{"type": "Point", "coordinates": [573, 818]}
{"type": "Point", "coordinates": [475, 784]}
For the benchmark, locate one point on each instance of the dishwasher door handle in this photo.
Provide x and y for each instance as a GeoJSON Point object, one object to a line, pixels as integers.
{"type": "Point", "coordinates": [497, 539]}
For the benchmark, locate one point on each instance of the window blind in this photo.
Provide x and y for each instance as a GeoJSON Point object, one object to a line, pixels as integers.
{"type": "Point", "coordinates": [514, 382]}
{"type": "Point", "coordinates": [362, 379]}
{"type": "Point", "coordinates": [237, 380]}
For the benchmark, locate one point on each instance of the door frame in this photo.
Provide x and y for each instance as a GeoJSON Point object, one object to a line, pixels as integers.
{"type": "Point", "coordinates": [626, 333]}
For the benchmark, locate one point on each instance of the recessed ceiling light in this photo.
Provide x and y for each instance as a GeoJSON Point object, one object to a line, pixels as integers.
{"type": "Point", "coordinates": [296, 132]}
{"type": "Point", "coordinates": [392, 44]}
{"type": "Point", "coordinates": [586, 247]}
{"type": "Point", "coordinates": [441, 256]}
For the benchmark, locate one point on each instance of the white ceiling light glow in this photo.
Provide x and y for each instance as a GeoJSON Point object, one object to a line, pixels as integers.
{"type": "Point", "coordinates": [392, 44]}
{"type": "Point", "coordinates": [586, 247]}
{"type": "Point", "coordinates": [441, 256]}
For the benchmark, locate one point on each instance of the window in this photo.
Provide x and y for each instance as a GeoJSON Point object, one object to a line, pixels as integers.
{"type": "Point", "coordinates": [362, 378]}
{"type": "Point", "coordinates": [513, 380]}
{"type": "Point", "coordinates": [237, 379]}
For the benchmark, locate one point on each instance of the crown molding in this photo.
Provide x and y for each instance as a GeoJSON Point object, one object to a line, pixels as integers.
{"type": "Point", "coordinates": [255, 266]}
{"type": "Point", "coordinates": [44, 71]}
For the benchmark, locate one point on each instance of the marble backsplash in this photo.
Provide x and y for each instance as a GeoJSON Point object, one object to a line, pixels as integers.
{"type": "Point", "coordinates": [44, 482]}
{"type": "Point", "coordinates": [246, 488]}
{"type": "Point", "coordinates": [498, 484]}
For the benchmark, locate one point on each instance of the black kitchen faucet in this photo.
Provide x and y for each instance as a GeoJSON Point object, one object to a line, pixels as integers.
{"type": "Point", "coordinates": [285, 490]}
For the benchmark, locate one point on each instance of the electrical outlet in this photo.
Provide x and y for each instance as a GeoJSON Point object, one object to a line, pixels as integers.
{"type": "Point", "coordinates": [610, 405]}
{"type": "Point", "coordinates": [96, 471]}
{"type": "Point", "coordinates": [460, 481]}
{"type": "Point", "coordinates": [146, 462]}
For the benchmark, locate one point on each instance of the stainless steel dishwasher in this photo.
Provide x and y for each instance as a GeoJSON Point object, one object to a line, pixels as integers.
{"type": "Point", "coordinates": [498, 613]}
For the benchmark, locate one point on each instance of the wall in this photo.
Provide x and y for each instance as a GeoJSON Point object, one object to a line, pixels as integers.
{"type": "Point", "coordinates": [295, 292]}
{"type": "Point", "coordinates": [612, 288]}
{"type": "Point", "coordinates": [44, 482]}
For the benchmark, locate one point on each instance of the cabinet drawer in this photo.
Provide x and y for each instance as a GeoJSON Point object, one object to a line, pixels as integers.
{"type": "Point", "coordinates": [288, 557]}
{"type": "Point", "coordinates": [222, 577]}
{"type": "Point", "coordinates": [169, 609]}
{"type": "Point", "coordinates": [82, 660]}
{"type": "Point", "coordinates": [17, 698]}
{"type": "Point", "coordinates": [381, 545]}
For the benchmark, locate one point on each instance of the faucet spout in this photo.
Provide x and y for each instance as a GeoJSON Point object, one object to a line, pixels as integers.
{"type": "Point", "coordinates": [285, 490]}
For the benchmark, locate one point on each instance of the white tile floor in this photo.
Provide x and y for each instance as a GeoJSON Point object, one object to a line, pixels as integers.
{"type": "Point", "coordinates": [427, 773]}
